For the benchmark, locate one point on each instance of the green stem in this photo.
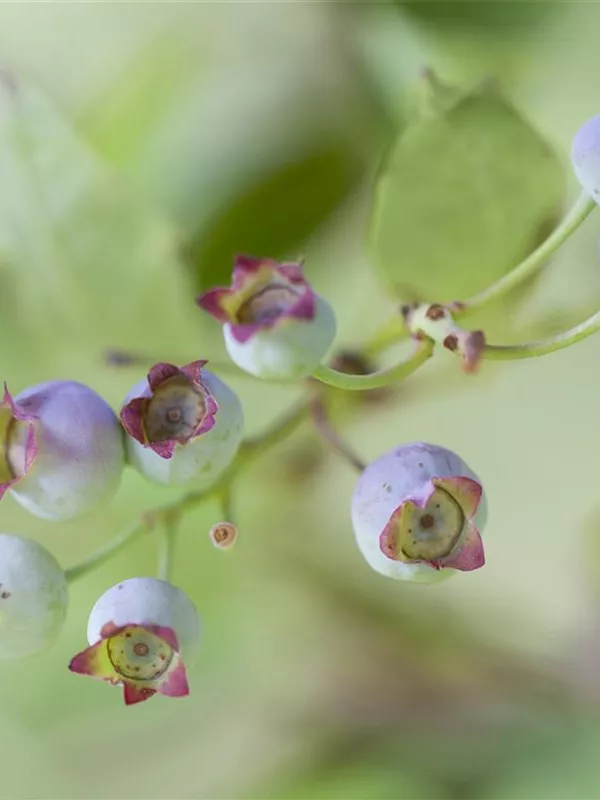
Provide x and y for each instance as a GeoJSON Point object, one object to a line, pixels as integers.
{"type": "Point", "coordinates": [279, 430]}
{"type": "Point", "coordinates": [225, 501]}
{"type": "Point", "coordinates": [250, 449]}
{"type": "Point", "coordinates": [379, 379]}
{"type": "Point", "coordinates": [394, 329]}
{"type": "Point", "coordinates": [544, 346]}
{"type": "Point", "coordinates": [581, 209]}
{"type": "Point", "coordinates": [93, 561]}
{"type": "Point", "coordinates": [166, 550]}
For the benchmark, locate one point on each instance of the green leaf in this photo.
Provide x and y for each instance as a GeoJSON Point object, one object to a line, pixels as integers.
{"type": "Point", "coordinates": [485, 15]}
{"type": "Point", "coordinates": [464, 194]}
{"type": "Point", "coordinates": [355, 778]}
{"type": "Point", "coordinates": [561, 763]}
{"type": "Point", "coordinates": [121, 122]}
{"type": "Point", "coordinates": [277, 213]}
{"type": "Point", "coordinates": [79, 251]}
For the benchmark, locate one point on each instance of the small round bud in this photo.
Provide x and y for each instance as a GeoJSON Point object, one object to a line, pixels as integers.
{"type": "Point", "coordinates": [274, 325]}
{"type": "Point", "coordinates": [33, 597]}
{"type": "Point", "coordinates": [223, 535]}
{"type": "Point", "coordinates": [143, 633]}
{"type": "Point", "coordinates": [417, 512]}
{"type": "Point", "coordinates": [63, 451]}
{"type": "Point", "coordinates": [585, 157]}
{"type": "Point", "coordinates": [184, 424]}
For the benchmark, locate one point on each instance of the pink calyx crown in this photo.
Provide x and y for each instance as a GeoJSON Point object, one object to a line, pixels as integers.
{"type": "Point", "coordinates": [465, 551]}
{"type": "Point", "coordinates": [175, 408]}
{"type": "Point", "coordinates": [11, 414]}
{"type": "Point", "coordinates": [144, 659]}
{"type": "Point", "coordinates": [263, 293]}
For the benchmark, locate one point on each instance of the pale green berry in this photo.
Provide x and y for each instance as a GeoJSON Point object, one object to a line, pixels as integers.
{"type": "Point", "coordinates": [33, 597]}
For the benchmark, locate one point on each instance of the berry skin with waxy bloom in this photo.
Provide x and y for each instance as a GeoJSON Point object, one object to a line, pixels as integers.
{"type": "Point", "coordinates": [143, 633]}
{"type": "Point", "coordinates": [417, 514]}
{"type": "Point", "coordinates": [183, 424]}
{"type": "Point", "coordinates": [63, 449]}
{"type": "Point", "coordinates": [275, 326]}
{"type": "Point", "coordinates": [585, 157]}
{"type": "Point", "coordinates": [33, 597]}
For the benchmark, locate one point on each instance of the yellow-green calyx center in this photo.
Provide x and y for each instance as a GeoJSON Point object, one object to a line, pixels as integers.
{"type": "Point", "coordinates": [432, 532]}
{"type": "Point", "coordinates": [14, 446]}
{"type": "Point", "coordinates": [266, 304]}
{"type": "Point", "coordinates": [139, 655]}
{"type": "Point", "coordinates": [175, 410]}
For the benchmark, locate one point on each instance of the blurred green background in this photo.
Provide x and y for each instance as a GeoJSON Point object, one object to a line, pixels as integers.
{"type": "Point", "coordinates": [141, 146]}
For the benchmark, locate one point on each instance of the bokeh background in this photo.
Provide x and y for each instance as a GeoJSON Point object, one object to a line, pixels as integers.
{"type": "Point", "coordinates": [141, 146]}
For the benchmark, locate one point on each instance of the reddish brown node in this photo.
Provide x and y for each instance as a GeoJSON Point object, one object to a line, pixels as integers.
{"type": "Point", "coordinates": [435, 312]}
{"type": "Point", "coordinates": [451, 342]}
{"type": "Point", "coordinates": [221, 534]}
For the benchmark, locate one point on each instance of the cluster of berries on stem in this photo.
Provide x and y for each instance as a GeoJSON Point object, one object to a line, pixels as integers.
{"type": "Point", "coordinates": [418, 511]}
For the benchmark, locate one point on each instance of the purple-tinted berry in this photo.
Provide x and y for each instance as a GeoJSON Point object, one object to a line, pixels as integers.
{"type": "Point", "coordinates": [274, 325]}
{"type": "Point", "coordinates": [585, 157]}
{"type": "Point", "coordinates": [63, 451]}
{"type": "Point", "coordinates": [417, 512]}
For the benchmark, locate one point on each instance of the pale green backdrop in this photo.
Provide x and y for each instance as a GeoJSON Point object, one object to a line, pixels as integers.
{"type": "Point", "coordinates": [151, 142]}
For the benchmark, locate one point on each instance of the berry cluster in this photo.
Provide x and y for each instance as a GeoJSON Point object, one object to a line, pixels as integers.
{"type": "Point", "coordinates": [417, 511]}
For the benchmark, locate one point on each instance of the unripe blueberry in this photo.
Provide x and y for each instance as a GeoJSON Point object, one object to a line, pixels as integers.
{"type": "Point", "coordinates": [274, 325]}
{"type": "Point", "coordinates": [585, 157]}
{"type": "Point", "coordinates": [417, 512]}
{"type": "Point", "coordinates": [33, 597]}
{"type": "Point", "coordinates": [143, 633]}
{"type": "Point", "coordinates": [184, 425]}
{"type": "Point", "coordinates": [63, 449]}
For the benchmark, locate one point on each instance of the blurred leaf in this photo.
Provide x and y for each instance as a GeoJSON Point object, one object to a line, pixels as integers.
{"type": "Point", "coordinates": [276, 215]}
{"type": "Point", "coordinates": [555, 767]}
{"type": "Point", "coordinates": [79, 250]}
{"type": "Point", "coordinates": [357, 778]}
{"type": "Point", "coordinates": [484, 15]}
{"type": "Point", "coordinates": [137, 101]}
{"type": "Point", "coordinates": [464, 194]}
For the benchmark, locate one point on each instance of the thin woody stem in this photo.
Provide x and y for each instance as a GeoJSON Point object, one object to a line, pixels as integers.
{"type": "Point", "coordinates": [331, 436]}
{"type": "Point", "coordinates": [118, 357]}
